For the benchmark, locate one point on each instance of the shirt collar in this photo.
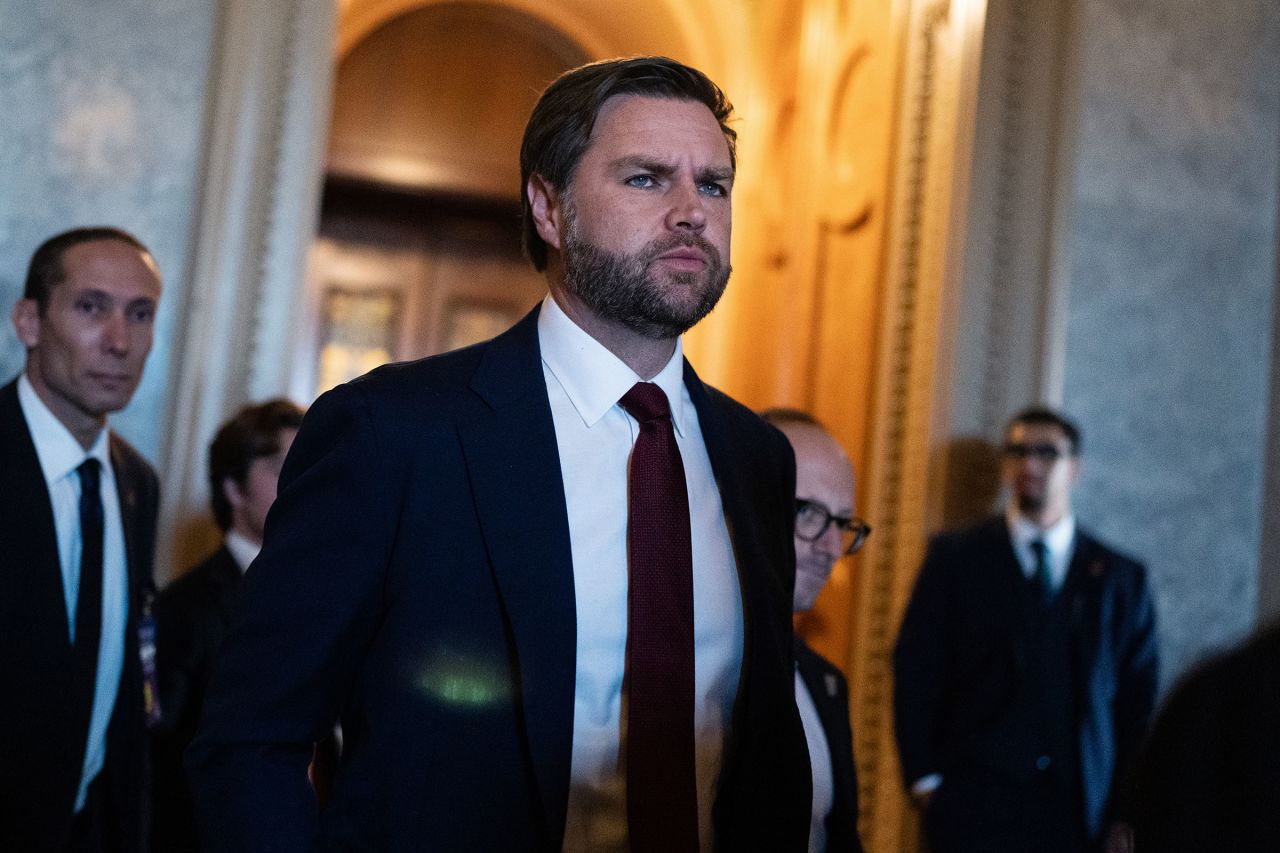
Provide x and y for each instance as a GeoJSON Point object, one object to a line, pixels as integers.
{"type": "Point", "coordinates": [1058, 537]}
{"type": "Point", "coordinates": [241, 549]}
{"type": "Point", "coordinates": [56, 448]}
{"type": "Point", "coordinates": [593, 378]}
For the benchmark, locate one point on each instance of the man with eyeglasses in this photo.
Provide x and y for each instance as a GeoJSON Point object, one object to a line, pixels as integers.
{"type": "Point", "coordinates": [826, 530]}
{"type": "Point", "coordinates": [1025, 668]}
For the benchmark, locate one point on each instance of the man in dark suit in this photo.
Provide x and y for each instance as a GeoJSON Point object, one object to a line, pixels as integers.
{"type": "Point", "coordinates": [495, 565]}
{"type": "Point", "coordinates": [1026, 666]}
{"type": "Point", "coordinates": [77, 536]}
{"type": "Point", "coordinates": [1208, 777]}
{"type": "Point", "coordinates": [193, 613]}
{"type": "Point", "coordinates": [826, 530]}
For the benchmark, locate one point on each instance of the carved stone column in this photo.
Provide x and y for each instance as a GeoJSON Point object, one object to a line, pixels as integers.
{"type": "Point", "coordinates": [267, 119]}
{"type": "Point", "coordinates": [941, 47]}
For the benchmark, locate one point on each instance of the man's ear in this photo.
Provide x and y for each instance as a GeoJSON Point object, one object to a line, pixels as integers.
{"type": "Point", "coordinates": [26, 321]}
{"type": "Point", "coordinates": [232, 492]}
{"type": "Point", "coordinates": [548, 211]}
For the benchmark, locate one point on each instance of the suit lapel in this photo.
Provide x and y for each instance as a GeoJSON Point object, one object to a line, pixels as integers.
{"type": "Point", "coordinates": [127, 492]}
{"type": "Point", "coordinates": [514, 467]}
{"type": "Point", "coordinates": [1010, 585]}
{"type": "Point", "coordinates": [728, 478]}
{"type": "Point", "coordinates": [26, 511]}
{"type": "Point", "coordinates": [742, 530]}
{"type": "Point", "coordinates": [1084, 585]}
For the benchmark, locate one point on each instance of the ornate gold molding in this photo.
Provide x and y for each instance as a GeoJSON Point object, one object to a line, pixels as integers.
{"type": "Point", "coordinates": [942, 42]}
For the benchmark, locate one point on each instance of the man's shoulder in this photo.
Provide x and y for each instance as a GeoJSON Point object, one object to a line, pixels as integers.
{"type": "Point", "coordinates": [435, 376]}
{"type": "Point", "coordinates": [983, 536]}
{"type": "Point", "coordinates": [439, 384]}
{"type": "Point", "coordinates": [15, 435]}
{"type": "Point", "coordinates": [743, 426]}
{"type": "Point", "coordinates": [217, 568]}
{"type": "Point", "coordinates": [1116, 560]}
{"type": "Point", "coordinates": [197, 584]}
{"type": "Point", "coordinates": [130, 465]}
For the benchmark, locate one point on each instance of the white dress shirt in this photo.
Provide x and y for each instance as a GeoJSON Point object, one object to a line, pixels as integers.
{"type": "Point", "coordinates": [60, 455]}
{"type": "Point", "coordinates": [824, 783]}
{"type": "Point", "coordinates": [595, 437]}
{"type": "Point", "coordinates": [242, 550]}
{"type": "Point", "coordinates": [1059, 539]}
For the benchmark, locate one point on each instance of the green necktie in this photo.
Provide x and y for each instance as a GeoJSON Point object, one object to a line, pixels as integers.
{"type": "Point", "coordinates": [1044, 575]}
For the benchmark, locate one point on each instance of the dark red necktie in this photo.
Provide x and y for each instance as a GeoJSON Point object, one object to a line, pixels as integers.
{"type": "Point", "coordinates": [662, 793]}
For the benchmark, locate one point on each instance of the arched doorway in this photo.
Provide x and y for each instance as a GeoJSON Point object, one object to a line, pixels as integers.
{"type": "Point", "coordinates": [418, 250]}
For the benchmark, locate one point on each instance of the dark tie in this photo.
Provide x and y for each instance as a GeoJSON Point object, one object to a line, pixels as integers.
{"type": "Point", "coordinates": [662, 794]}
{"type": "Point", "coordinates": [1043, 576]}
{"type": "Point", "coordinates": [89, 598]}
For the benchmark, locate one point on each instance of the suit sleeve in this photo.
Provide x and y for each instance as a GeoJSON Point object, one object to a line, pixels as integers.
{"type": "Point", "coordinates": [175, 659]}
{"type": "Point", "coordinates": [919, 667]}
{"type": "Point", "coordinates": [309, 608]}
{"type": "Point", "coordinates": [1136, 682]}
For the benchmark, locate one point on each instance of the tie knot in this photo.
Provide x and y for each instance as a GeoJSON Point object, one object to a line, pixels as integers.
{"type": "Point", "coordinates": [88, 472]}
{"type": "Point", "coordinates": [646, 402]}
{"type": "Point", "coordinates": [1039, 548]}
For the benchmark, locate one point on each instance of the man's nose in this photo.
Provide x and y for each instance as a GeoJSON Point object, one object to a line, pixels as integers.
{"type": "Point", "coordinates": [828, 544]}
{"type": "Point", "coordinates": [115, 336]}
{"type": "Point", "coordinates": [687, 212]}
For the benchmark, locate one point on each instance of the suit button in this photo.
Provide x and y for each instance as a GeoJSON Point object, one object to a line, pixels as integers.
{"type": "Point", "coordinates": [1043, 762]}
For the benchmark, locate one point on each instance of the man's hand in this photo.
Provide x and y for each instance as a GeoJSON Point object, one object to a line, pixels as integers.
{"type": "Point", "coordinates": [922, 790]}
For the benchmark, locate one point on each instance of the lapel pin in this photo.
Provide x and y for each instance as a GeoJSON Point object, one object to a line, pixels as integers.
{"type": "Point", "coordinates": [832, 685]}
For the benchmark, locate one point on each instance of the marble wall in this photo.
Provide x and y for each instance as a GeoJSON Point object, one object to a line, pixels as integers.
{"type": "Point", "coordinates": [1171, 298]}
{"type": "Point", "coordinates": [102, 105]}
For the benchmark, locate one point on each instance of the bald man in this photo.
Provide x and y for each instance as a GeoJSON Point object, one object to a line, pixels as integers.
{"type": "Point", "coordinates": [826, 530]}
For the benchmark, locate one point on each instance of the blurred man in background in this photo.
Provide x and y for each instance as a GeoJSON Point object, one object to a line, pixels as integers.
{"type": "Point", "coordinates": [193, 613]}
{"type": "Point", "coordinates": [1025, 670]}
{"type": "Point", "coordinates": [826, 530]}
{"type": "Point", "coordinates": [77, 538]}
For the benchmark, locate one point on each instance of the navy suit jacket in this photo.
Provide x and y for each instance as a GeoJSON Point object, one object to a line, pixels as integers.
{"type": "Point", "coordinates": [830, 691]}
{"type": "Point", "coordinates": [44, 719]}
{"type": "Point", "coordinates": [958, 660]}
{"type": "Point", "coordinates": [192, 616]}
{"type": "Point", "coordinates": [416, 581]}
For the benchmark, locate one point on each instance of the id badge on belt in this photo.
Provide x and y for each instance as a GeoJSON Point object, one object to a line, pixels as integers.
{"type": "Point", "coordinates": [147, 652]}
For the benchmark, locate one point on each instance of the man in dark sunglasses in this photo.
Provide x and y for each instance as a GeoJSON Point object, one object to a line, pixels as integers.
{"type": "Point", "coordinates": [1025, 669]}
{"type": "Point", "coordinates": [826, 530]}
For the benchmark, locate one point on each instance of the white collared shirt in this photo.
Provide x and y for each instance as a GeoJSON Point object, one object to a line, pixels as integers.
{"type": "Point", "coordinates": [824, 780]}
{"type": "Point", "coordinates": [595, 437]}
{"type": "Point", "coordinates": [243, 551]}
{"type": "Point", "coordinates": [1059, 539]}
{"type": "Point", "coordinates": [60, 455]}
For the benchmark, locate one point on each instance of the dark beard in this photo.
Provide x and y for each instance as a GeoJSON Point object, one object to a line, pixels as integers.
{"type": "Point", "coordinates": [620, 288]}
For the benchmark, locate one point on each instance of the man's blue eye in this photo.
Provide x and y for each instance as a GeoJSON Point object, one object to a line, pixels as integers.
{"type": "Point", "coordinates": [640, 181]}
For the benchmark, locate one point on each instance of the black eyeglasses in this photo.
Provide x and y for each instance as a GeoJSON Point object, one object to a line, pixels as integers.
{"type": "Point", "coordinates": [1047, 453]}
{"type": "Point", "coordinates": [813, 519]}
